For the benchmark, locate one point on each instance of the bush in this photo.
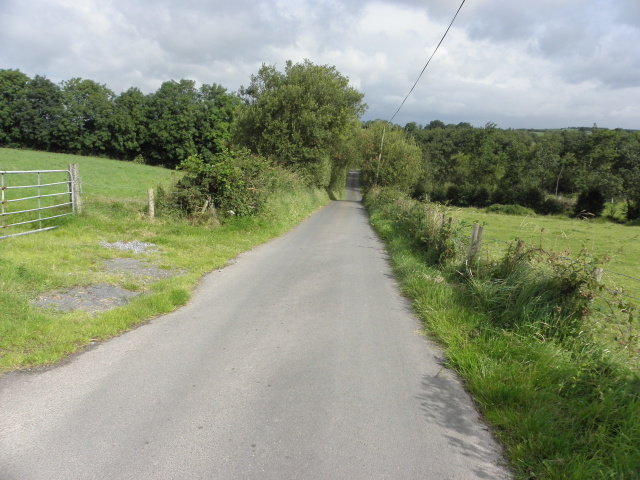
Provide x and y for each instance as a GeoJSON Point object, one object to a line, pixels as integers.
{"type": "Point", "coordinates": [555, 206]}
{"type": "Point", "coordinates": [424, 224]}
{"type": "Point", "coordinates": [590, 203]}
{"type": "Point", "coordinates": [480, 197]}
{"type": "Point", "coordinates": [457, 195]}
{"type": "Point", "coordinates": [510, 209]}
{"type": "Point", "coordinates": [633, 211]}
{"type": "Point", "coordinates": [552, 301]}
{"type": "Point", "coordinates": [468, 196]}
{"type": "Point", "coordinates": [531, 197]}
{"type": "Point", "coordinates": [235, 183]}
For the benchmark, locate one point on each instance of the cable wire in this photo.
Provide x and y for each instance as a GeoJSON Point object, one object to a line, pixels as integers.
{"type": "Point", "coordinates": [428, 61]}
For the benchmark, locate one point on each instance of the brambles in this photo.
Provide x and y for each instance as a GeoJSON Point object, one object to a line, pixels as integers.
{"type": "Point", "coordinates": [230, 184]}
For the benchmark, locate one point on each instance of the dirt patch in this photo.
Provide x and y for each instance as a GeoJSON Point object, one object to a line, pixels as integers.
{"type": "Point", "coordinates": [94, 298]}
{"type": "Point", "coordinates": [102, 296]}
{"type": "Point", "coordinates": [139, 269]}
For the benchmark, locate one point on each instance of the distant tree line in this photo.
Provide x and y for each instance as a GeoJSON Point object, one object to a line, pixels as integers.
{"type": "Point", "coordinates": [307, 119]}
{"type": "Point", "coordinates": [83, 117]}
{"type": "Point", "coordinates": [469, 166]}
{"type": "Point", "coordinates": [298, 119]}
{"type": "Point", "coordinates": [229, 144]}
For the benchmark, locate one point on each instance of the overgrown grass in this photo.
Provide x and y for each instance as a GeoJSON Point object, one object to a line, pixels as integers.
{"type": "Point", "coordinates": [72, 255]}
{"type": "Point", "coordinates": [614, 247]}
{"type": "Point", "coordinates": [563, 405]}
{"type": "Point", "coordinates": [617, 246]}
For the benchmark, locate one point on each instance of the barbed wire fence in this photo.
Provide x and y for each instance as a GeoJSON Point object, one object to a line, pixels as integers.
{"type": "Point", "coordinates": [614, 300]}
{"type": "Point", "coordinates": [498, 252]}
{"type": "Point", "coordinates": [146, 198]}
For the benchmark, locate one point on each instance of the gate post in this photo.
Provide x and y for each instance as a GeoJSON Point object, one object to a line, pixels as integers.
{"type": "Point", "coordinates": [74, 188]}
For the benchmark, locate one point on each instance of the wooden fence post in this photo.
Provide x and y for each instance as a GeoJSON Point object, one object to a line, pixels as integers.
{"type": "Point", "coordinates": [152, 204]}
{"type": "Point", "coordinates": [597, 273]}
{"type": "Point", "coordinates": [74, 187]}
{"type": "Point", "coordinates": [474, 243]}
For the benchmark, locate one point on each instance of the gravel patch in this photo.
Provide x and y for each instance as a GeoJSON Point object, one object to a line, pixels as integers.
{"type": "Point", "coordinates": [143, 271]}
{"type": "Point", "coordinates": [135, 246]}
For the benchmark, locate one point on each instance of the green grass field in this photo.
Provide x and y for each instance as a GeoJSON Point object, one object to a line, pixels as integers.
{"type": "Point", "coordinates": [616, 246]}
{"type": "Point", "coordinates": [115, 197]}
{"type": "Point", "coordinates": [102, 179]}
{"type": "Point", "coordinates": [110, 179]}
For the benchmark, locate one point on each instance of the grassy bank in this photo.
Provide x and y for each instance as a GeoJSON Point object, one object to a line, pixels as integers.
{"type": "Point", "coordinates": [563, 404]}
{"type": "Point", "coordinates": [72, 255]}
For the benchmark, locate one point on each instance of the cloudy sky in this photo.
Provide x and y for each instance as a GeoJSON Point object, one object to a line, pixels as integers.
{"type": "Point", "coordinates": [518, 63]}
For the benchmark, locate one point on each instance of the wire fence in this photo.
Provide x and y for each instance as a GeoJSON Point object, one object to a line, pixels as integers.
{"type": "Point", "coordinates": [91, 193]}
{"type": "Point", "coordinates": [493, 248]}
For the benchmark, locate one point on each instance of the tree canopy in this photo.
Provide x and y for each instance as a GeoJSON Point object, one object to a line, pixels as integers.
{"type": "Point", "coordinates": [394, 160]}
{"type": "Point", "coordinates": [307, 119]}
{"type": "Point", "coordinates": [84, 117]}
{"type": "Point", "coordinates": [299, 117]}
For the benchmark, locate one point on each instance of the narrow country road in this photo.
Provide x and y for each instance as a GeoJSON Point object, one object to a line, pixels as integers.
{"type": "Point", "coordinates": [300, 361]}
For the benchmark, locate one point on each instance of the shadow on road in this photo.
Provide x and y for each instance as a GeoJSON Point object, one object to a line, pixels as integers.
{"type": "Point", "coordinates": [455, 413]}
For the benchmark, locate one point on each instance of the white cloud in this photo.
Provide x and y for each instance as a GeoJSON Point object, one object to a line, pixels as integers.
{"type": "Point", "coordinates": [547, 63]}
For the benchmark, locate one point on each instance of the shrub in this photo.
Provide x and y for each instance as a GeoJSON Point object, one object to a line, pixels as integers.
{"type": "Point", "coordinates": [504, 196]}
{"type": "Point", "coordinates": [633, 211]}
{"type": "Point", "coordinates": [235, 183]}
{"type": "Point", "coordinates": [554, 206]}
{"type": "Point", "coordinates": [456, 195]}
{"type": "Point", "coordinates": [552, 301]}
{"type": "Point", "coordinates": [424, 224]}
{"type": "Point", "coordinates": [480, 197]}
{"type": "Point", "coordinates": [510, 209]}
{"type": "Point", "coordinates": [590, 203]}
{"type": "Point", "coordinates": [531, 197]}
{"type": "Point", "coordinates": [438, 195]}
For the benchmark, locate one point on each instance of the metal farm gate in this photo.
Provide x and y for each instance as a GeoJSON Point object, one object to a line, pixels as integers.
{"type": "Point", "coordinates": [29, 199]}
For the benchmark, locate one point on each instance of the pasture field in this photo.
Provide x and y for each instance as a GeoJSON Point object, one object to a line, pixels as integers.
{"type": "Point", "coordinates": [616, 247]}
{"type": "Point", "coordinates": [102, 180]}
{"type": "Point", "coordinates": [50, 264]}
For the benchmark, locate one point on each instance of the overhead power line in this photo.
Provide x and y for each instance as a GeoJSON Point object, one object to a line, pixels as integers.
{"type": "Point", "coordinates": [428, 61]}
{"type": "Point", "coordinates": [384, 127]}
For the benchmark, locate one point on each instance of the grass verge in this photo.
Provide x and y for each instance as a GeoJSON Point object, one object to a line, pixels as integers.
{"type": "Point", "coordinates": [565, 409]}
{"type": "Point", "coordinates": [72, 255]}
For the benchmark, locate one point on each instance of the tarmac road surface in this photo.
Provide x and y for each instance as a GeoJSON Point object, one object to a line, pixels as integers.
{"type": "Point", "coordinates": [299, 361]}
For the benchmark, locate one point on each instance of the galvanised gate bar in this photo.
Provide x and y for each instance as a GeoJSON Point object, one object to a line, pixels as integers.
{"type": "Point", "coordinates": [31, 197]}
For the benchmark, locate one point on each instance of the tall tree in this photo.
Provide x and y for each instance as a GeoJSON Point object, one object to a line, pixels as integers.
{"type": "Point", "coordinates": [42, 112]}
{"type": "Point", "coordinates": [628, 170]}
{"type": "Point", "coordinates": [171, 117]}
{"type": "Point", "coordinates": [597, 159]}
{"type": "Point", "coordinates": [128, 125]}
{"type": "Point", "coordinates": [84, 125]}
{"type": "Point", "coordinates": [215, 114]}
{"type": "Point", "coordinates": [394, 161]}
{"type": "Point", "coordinates": [299, 117]}
{"type": "Point", "coordinates": [13, 85]}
